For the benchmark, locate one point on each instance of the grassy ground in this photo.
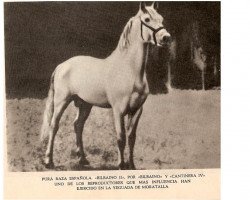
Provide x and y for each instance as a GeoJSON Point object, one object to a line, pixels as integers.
{"type": "Point", "coordinates": [178, 130]}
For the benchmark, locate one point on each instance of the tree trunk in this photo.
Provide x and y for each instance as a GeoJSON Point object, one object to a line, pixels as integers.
{"type": "Point", "coordinates": [203, 79]}
{"type": "Point", "coordinates": [169, 83]}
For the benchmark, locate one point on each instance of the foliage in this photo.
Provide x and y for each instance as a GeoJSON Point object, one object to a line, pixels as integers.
{"type": "Point", "coordinates": [41, 35]}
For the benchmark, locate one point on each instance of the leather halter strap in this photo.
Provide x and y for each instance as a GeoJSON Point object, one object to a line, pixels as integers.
{"type": "Point", "coordinates": [152, 29]}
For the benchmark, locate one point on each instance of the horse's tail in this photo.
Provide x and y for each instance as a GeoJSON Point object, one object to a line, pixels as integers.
{"type": "Point", "coordinates": [49, 110]}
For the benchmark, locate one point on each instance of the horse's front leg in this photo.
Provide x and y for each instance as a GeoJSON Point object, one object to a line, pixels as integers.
{"type": "Point", "coordinates": [133, 119]}
{"type": "Point", "coordinates": [121, 137]}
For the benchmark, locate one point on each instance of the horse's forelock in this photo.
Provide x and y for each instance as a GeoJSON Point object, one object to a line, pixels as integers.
{"type": "Point", "coordinates": [153, 13]}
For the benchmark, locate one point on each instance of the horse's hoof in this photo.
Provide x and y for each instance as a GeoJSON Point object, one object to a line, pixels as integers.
{"type": "Point", "coordinates": [132, 167]}
{"type": "Point", "coordinates": [49, 165]}
{"type": "Point", "coordinates": [83, 161]}
{"type": "Point", "coordinates": [75, 153]}
{"type": "Point", "coordinates": [122, 166]}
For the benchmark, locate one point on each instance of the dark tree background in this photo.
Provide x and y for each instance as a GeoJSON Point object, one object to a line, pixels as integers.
{"type": "Point", "coordinates": [41, 35]}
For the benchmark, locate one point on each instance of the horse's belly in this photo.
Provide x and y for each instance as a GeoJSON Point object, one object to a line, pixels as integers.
{"type": "Point", "coordinates": [97, 98]}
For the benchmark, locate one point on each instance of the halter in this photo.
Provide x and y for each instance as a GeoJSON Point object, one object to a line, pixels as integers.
{"type": "Point", "coordinates": [152, 29]}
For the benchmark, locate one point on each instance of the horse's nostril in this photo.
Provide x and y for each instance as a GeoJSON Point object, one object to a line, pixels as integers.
{"type": "Point", "coordinates": [165, 38]}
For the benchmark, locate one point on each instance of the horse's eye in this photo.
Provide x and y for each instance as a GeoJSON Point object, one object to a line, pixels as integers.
{"type": "Point", "coordinates": [147, 20]}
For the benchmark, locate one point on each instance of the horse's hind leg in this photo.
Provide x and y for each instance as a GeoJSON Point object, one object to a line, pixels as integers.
{"type": "Point", "coordinates": [83, 113]}
{"type": "Point", "coordinates": [59, 107]}
{"type": "Point", "coordinates": [133, 119]}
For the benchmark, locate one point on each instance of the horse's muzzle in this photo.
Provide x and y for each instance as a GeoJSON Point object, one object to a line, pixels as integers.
{"type": "Point", "coordinates": [165, 38]}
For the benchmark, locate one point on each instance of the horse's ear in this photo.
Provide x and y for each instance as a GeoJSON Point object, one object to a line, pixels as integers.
{"type": "Point", "coordinates": [143, 7]}
{"type": "Point", "coordinates": [155, 5]}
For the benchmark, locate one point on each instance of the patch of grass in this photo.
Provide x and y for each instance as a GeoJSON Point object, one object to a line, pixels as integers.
{"type": "Point", "coordinates": [177, 130]}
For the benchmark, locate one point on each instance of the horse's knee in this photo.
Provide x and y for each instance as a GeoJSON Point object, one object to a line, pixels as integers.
{"type": "Point", "coordinates": [121, 139]}
{"type": "Point", "coordinates": [131, 137]}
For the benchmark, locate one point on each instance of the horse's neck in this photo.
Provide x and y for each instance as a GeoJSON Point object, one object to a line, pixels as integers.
{"type": "Point", "coordinates": [135, 54]}
{"type": "Point", "coordinates": [139, 56]}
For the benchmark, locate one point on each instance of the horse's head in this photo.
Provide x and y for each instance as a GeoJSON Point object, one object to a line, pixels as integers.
{"type": "Point", "coordinates": [152, 29]}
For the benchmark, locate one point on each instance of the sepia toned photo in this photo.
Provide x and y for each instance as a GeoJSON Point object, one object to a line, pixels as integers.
{"type": "Point", "coordinates": [112, 85]}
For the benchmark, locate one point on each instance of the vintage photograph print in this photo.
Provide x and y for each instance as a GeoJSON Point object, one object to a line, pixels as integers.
{"type": "Point", "coordinates": [112, 85]}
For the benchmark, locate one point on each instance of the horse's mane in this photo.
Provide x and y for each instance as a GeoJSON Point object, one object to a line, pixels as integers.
{"type": "Point", "coordinates": [124, 41]}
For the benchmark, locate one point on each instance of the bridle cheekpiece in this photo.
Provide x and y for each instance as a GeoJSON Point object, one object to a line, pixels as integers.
{"type": "Point", "coordinates": [152, 29]}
